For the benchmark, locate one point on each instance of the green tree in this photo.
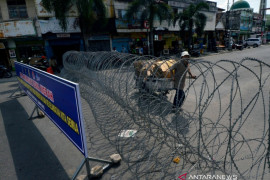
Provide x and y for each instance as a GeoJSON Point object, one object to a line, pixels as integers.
{"type": "Point", "coordinates": [189, 17]}
{"type": "Point", "coordinates": [60, 7]}
{"type": "Point", "coordinates": [92, 15]}
{"type": "Point", "coordinates": [150, 10]}
{"type": "Point", "coordinates": [200, 23]}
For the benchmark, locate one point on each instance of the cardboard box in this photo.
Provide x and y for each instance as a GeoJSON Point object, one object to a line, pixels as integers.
{"type": "Point", "coordinates": [155, 68]}
{"type": "Point", "coordinates": [162, 69]}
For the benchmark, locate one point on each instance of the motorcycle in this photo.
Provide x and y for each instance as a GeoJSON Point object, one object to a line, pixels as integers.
{"type": "Point", "coordinates": [239, 45]}
{"type": "Point", "coordinates": [195, 53]}
{"type": "Point", "coordinates": [5, 72]}
{"type": "Point", "coordinates": [41, 64]}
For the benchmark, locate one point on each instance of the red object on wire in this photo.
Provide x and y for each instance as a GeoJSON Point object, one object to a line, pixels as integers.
{"type": "Point", "coordinates": [50, 70]}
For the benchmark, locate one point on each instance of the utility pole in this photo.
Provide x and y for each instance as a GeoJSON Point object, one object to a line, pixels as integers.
{"type": "Point", "coordinates": [228, 28]}
{"type": "Point", "coordinates": [262, 12]}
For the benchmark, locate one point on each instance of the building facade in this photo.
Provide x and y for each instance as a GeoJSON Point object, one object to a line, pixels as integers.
{"type": "Point", "coordinates": [131, 36]}
{"type": "Point", "coordinates": [257, 27]}
{"type": "Point", "coordinates": [220, 27]}
{"type": "Point", "coordinates": [27, 29]}
{"type": "Point", "coordinates": [240, 20]}
{"type": "Point", "coordinates": [101, 40]}
{"type": "Point", "coordinates": [56, 40]}
{"type": "Point", "coordinates": [18, 35]}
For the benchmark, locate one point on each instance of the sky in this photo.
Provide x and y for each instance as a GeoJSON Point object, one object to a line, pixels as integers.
{"type": "Point", "coordinates": [253, 4]}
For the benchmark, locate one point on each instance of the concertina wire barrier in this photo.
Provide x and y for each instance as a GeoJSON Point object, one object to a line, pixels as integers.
{"type": "Point", "coordinates": [223, 127]}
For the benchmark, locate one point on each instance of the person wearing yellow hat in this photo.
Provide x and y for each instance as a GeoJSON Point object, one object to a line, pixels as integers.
{"type": "Point", "coordinates": [180, 70]}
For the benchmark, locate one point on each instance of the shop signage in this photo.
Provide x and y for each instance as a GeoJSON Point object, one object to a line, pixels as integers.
{"type": "Point", "coordinates": [176, 4]}
{"type": "Point", "coordinates": [63, 35]}
{"type": "Point", "coordinates": [52, 25]}
{"type": "Point", "coordinates": [123, 24]}
{"type": "Point", "coordinates": [99, 38]}
{"type": "Point", "coordinates": [12, 53]}
{"type": "Point", "coordinates": [42, 12]}
{"type": "Point", "coordinates": [146, 24]}
{"type": "Point", "coordinates": [17, 28]}
{"type": "Point", "coordinates": [58, 98]}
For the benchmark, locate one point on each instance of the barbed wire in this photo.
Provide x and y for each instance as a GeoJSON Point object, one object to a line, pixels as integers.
{"type": "Point", "coordinates": [222, 128]}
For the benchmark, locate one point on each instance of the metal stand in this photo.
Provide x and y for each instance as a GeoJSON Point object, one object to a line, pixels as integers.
{"type": "Point", "coordinates": [86, 162]}
{"type": "Point", "coordinates": [16, 90]}
{"type": "Point", "coordinates": [38, 113]}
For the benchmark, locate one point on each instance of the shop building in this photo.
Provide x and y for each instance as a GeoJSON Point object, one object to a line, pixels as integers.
{"type": "Point", "coordinates": [56, 40]}
{"type": "Point", "coordinates": [101, 37]}
{"type": "Point", "coordinates": [129, 36]}
{"type": "Point", "coordinates": [18, 35]}
{"type": "Point", "coordinates": [240, 20]}
{"type": "Point", "coordinates": [220, 27]}
{"type": "Point", "coordinates": [209, 30]}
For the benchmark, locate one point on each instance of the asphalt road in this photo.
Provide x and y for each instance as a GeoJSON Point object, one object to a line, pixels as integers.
{"type": "Point", "coordinates": [31, 149]}
{"type": "Point", "coordinates": [260, 53]}
{"type": "Point", "coordinates": [36, 149]}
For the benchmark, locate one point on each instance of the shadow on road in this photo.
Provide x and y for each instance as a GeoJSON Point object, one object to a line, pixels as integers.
{"type": "Point", "coordinates": [153, 104]}
{"type": "Point", "coordinates": [32, 156]}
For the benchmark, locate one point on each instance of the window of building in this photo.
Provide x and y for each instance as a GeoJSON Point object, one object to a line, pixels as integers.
{"type": "Point", "coordinates": [138, 15]}
{"type": "Point", "coordinates": [17, 9]}
{"type": "Point", "coordinates": [175, 10]}
{"type": "Point", "coordinates": [1, 14]}
{"type": "Point", "coordinates": [121, 14]}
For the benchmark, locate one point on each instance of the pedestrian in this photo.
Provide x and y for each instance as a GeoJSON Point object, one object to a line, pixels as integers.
{"type": "Point", "coordinates": [53, 64]}
{"type": "Point", "coordinates": [141, 51]}
{"type": "Point", "coordinates": [180, 70]}
{"type": "Point", "coordinates": [123, 49]}
{"type": "Point", "coordinates": [114, 49]}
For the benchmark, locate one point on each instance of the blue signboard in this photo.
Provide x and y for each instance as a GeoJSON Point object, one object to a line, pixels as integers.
{"type": "Point", "coordinates": [124, 24]}
{"type": "Point", "coordinates": [58, 98]}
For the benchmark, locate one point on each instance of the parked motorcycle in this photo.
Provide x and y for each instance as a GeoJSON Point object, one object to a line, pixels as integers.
{"type": "Point", "coordinates": [195, 53]}
{"type": "Point", "coordinates": [5, 72]}
{"type": "Point", "coordinates": [237, 46]}
{"type": "Point", "coordinates": [41, 64]}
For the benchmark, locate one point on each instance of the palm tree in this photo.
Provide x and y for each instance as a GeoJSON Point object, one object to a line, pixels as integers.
{"type": "Point", "coordinates": [92, 17]}
{"type": "Point", "coordinates": [150, 10]}
{"type": "Point", "coordinates": [92, 14]}
{"type": "Point", "coordinates": [189, 17]}
{"type": "Point", "coordinates": [200, 23]}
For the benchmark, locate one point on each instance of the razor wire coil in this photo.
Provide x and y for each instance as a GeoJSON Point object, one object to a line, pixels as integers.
{"type": "Point", "coordinates": [215, 132]}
